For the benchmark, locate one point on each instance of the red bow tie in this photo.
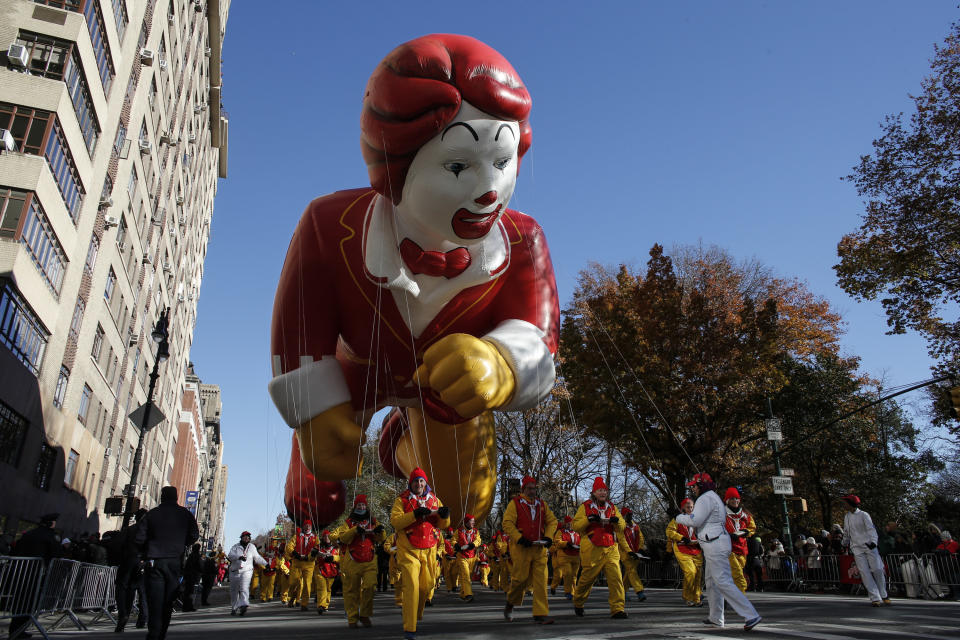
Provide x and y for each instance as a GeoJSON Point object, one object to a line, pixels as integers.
{"type": "Point", "coordinates": [434, 263]}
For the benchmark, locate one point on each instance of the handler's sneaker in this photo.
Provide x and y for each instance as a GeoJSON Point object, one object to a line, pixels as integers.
{"type": "Point", "coordinates": [619, 615]}
{"type": "Point", "coordinates": [876, 603]}
{"type": "Point", "coordinates": [409, 635]}
{"type": "Point", "coordinates": [641, 596]}
{"type": "Point", "coordinates": [751, 623]}
{"type": "Point", "coordinates": [542, 620]}
{"type": "Point", "coordinates": [508, 612]}
{"type": "Point", "coordinates": [887, 601]}
{"type": "Point", "coordinates": [365, 621]}
{"type": "Point", "coordinates": [578, 611]}
{"type": "Point", "coordinates": [711, 622]}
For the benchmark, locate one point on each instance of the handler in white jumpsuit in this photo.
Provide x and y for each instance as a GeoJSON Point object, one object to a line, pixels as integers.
{"type": "Point", "coordinates": [709, 517]}
{"type": "Point", "coordinates": [861, 536]}
{"type": "Point", "coordinates": [242, 557]}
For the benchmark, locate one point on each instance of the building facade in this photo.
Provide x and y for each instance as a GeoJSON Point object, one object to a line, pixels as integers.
{"type": "Point", "coordinates": [112, 138]}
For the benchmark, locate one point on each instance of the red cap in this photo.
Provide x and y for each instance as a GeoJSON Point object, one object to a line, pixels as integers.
{"type": "Point", "coordinates": [700, 478]}
{"type": "Point", "coordinates": [468, 518]}
{"type": "Point", "coordinates": [626, 510]}
{"type": "Point", "coordinates": [567, 519]}
{"type": "Point", "coordinates": [245, 533]}
{"type": "Point", "coordinates": [731, 493]}
{"type": "Point", "coordinates": [851, 499]}
{"type": "Point", "coordinates": [685, 501]}
{"type": "Point", "coordinates": [598, 483]}
{"type": "Point", "coordinates": [326, 532]}
{"type": "Point", "coordinates": [417, 473]}
{"type": "Point", "coordinates": [527, 480]}
{"type": "Point", "coordinates": [307, 522]}
{"type": "Point", "coordinates": [360, 499]}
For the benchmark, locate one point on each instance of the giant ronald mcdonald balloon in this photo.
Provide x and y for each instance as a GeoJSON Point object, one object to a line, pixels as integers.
{"type": "Point", "coordinates": [424, 293]}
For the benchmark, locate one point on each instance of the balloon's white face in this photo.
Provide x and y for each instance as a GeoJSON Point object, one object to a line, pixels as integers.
{"type": "Point", "coordinates": [461, 180]}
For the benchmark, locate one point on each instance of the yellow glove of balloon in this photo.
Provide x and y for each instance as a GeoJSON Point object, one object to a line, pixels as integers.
{"type": "Point", "coordinates": [468, 374]}
{"type": "Point", "coordinates": [330, 444]}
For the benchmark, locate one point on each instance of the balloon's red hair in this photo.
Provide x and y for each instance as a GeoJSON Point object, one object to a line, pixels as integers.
{"type": "Point", "coordinates": [417, 91]}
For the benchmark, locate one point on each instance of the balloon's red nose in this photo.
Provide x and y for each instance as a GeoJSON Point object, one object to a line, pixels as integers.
{"type": "Point", "coordinates": [486, 199]}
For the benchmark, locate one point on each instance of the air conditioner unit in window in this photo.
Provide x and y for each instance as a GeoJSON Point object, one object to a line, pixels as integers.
{"type": "Point", "coordinates": [145, 146]}
{"type": "Point", "coordinates": [105, 202]}
{"type": "Point", "coordinates": [143, 488]}
{"type": "Point", "coordinates": [179, 199]}
{"type": "Point", "coordinates": [190, 296]}
{"type": "Point", "coordinates": [107, 452]}
{"type": "Point", "coordinates": [180, 298]}
{"type": "Point", "coordinates": [146, 57]}
{"type": "Point", "coordinates": [7, 141]}
{"type": "Point", "coordinates": [164, 137]}
{"type": "Point", "coordinates": [170, 19]}
{"type": "Point", "coordinates": [132, 340]}
{"type": "Point", "coordinates": [197, 6]}
{"type": "Point", "coordinates": [207, 52]}
{"type": "Point", "coordinates": [192, 138]}
{"type": "Point", "coordinates": [167, 267]}
{"type": "Point", "coordinates": [110, 221]}
{"type": "Point", "coordinates": [197, 108]}
{"type": "Point", "coordinates": [17, 56]}
{"type": "Point", "coordinates": [163, 65]}
{"type": "Point", "coordinates": [147, 260]}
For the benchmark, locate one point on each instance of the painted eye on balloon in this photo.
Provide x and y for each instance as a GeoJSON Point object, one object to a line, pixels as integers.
{"type": "Point", "coordinates": [502, 163]}
{"type": "Point", "coordinates": [455, 167]}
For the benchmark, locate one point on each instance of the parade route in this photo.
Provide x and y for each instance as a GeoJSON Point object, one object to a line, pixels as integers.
{"type": "Point", "coordinates": [786, 616]}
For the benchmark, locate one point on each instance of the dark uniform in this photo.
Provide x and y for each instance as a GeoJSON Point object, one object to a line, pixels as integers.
{"type": "Point", "coordinates": [42, 542]}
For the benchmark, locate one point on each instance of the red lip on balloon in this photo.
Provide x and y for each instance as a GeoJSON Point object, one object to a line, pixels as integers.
{"type": "Point", "coordinates": [471, 226]}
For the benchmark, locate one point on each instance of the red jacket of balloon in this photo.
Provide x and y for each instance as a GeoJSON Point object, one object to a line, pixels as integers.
{"type": "Point", "coordinates": [337, 289]}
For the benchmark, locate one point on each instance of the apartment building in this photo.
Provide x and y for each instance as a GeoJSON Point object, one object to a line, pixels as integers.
{"type": "Point", "coordinates": [112, 139]}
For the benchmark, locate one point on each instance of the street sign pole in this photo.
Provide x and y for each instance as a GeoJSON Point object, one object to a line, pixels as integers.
{"type": "Point", "coordinates": [783, 498]}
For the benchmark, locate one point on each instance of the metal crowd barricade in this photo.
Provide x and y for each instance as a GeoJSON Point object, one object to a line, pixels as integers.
{"type": "Point", "coordinates": [94, 592]}
{"type": "Point", "coordinates": [20, 582]}
{"type": "Point", "coordinates": [903, 575]}
{"type": "Point", "coordinates": [939, 575]}
{"type": "Point", "coordinates": [56, 597]}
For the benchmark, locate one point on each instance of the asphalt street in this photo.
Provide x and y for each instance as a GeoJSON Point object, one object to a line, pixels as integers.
{"type": "Point", "coordinates": [663, 615]}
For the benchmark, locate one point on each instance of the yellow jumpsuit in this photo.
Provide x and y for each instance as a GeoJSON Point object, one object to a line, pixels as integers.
{"type": "Point", "coordinates": [301, 569]}
{"type": "Point", "coordinates": [740, 521]}
{"type": "Point", "coordinates": [465, 565]}
{"type": "Point", "coordinates": [565, 565]}
{"type": "Point", "coordinates": [494, 555]}
{"type": "Point", "coordinates": [595, 559]}
{"type": "Point", "coordinates": [322, 585]}
{"type": "Point", "coordinates": [284, 579]}
{"type": "Point", "coordinates": [448, 566]}
{"type": "Point", "coordinates": [393, 570]}
{"type": "Point", "coordinates": [268, 576]}
{"type": "Point", "coordinates": [437, 566]}
{"type": "Point", "coordinates": [359, 578]}
{"type": "Point", "coordinates": [503, 547]}
{"type": "Point", "coordinates": [529, 564]}
{"type": "Point", "coordinates": [690, 564]}
{"type": "Point", "coordinates": [418, 566]}
{"type": "Point", "coordinates": [631, 577]}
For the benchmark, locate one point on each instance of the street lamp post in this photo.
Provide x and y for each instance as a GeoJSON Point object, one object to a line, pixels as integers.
{"type": "Point", "coordinates": [159, 335]}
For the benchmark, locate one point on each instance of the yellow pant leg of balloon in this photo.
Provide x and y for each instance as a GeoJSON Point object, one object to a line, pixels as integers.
{"type": "Point", "coordinates": [737, 563]}
{"type": "Point", "coordinates": [464, 571]}
{"type": "Point", "coordinates": [417, 580]}
{"type": "Point", "coordinates": [460, 460]}
{"type": "Point", "coordinates": [267, 582]}
{"type": "Point", "coordinates": [692, 567]}
{"type": "Point", "coordinates": [631, 576]}
{"type": "Point", "coordinates": [529, 571]}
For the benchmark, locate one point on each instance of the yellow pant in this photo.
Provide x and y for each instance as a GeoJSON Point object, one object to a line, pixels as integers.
{"type": "Point", "coordinates": [565, 569]}
{"type": "Point", "coordinates": [494, 577]}
{"type": "Point", "coordinates": [323, 587]}
{"type": "Point", "coordinates": [267, 580]}
{"type": "Point", "coordinates": [529, 570]}
{"type": "Point", "coordinates": [451, 573]}
{"type": "Point", "coordinates": [359, 583]}
{"type": "Point", "coordinates": [692, 567]}
{"type": "Point", "coordinates": [737, 563]}
{"type": "Point", "coordinates": [606, 559]}
{"type": "Point", "coordinates": [285, 583]}
{"type": "Point", "coordinates": [631, 576]}
{"type": "Point", "coordinates": [301, 580]}
{"type": "Point", "coordinates": [418, 578]}
{"type": "Point", "coordinates": [504, 574]}
{"type": "Point", "coordinates": [485, 576]}
{"type": "Point", "coordinates": [255, 579]}
{"type": "Point", "coordinates": [464, 569]}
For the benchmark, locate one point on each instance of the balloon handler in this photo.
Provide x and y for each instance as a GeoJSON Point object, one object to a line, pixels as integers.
{"type": "Point", "coordinates": [424, 292]}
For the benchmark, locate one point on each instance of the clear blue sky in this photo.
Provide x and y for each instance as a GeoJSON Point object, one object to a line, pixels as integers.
{"type": "Point", "coordinates": [678, 123]}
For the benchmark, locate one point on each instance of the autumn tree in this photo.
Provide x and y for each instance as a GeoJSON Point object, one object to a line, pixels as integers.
{"type": "Point", "coordinates": [673, 366]}
{"type": "Point", "coordinates": [907, 251]}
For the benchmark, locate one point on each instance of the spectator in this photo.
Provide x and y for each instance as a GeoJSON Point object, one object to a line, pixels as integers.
{"type": "Point", "coordinates": [836, 540]}
{"type": "Point", "coordinates": [192, 570]}
{"type": "Point", "coordinates": [6, 544]}
{"type": "Point", "coordinates": [947, 543]}
{"type": "Point", "coordinates": [208, 577]}
{"type": "Point", "coordinates": [754, 566]}
{"type": "Point", "coordinates": [95, 552]}
{"type": "Point", "coordinates": [813, 554]}
{"type": "Point", "coordinates": [165, 531]}
{"type": "Point", "coordinates": [41, 542]}
{"type": "Point", "coordinates": [129, 579]}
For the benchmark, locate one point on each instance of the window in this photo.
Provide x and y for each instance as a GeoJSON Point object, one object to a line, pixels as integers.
{"type": "Point", "coordinates": [46, 463]}
{"type": "Point", "coordinates": [48, 56]}
{"type": "Point", "coordinates": [128, 460]}
{"type": "Point", "coordinates": [92, 251]}
{"type": "Point", "coordinates": [69, 5]}
{"type": "Point", "coordinates": [84, 404]}
{"type": "Point", "coordinates": [97, 343]}
{"type": "Point", "coordinates": [121, 136]}
{"type": "Point", "coordinates": [71, 469]}
{"type": "Point", "coordinates": [42, 244]}
{"type": "Point", "coordinates": [77, 319]}
{"type": "Point", "coordinates": [27, 125]}
{"type": "Point", "coordinates": [122, 232]}
{"type": "Point", "coordinates": [111, 285]}
{"type": "Point", "coordinates": [79, 92]}
{"type": "Point", "coordinates": [61, 391]}
{"type": "Point", "coordinates": [132, 182]}
{"type": "Point", "coordinates": [64, 171]}
{"type": "Point", "coordinates": [120, 15]}
{"type": "Point", "coordinates": [11, 210]}
{"type": "Point", "coordinates": [13, 431]}
{"type": "Point", "coordinates": [98, 38]}
{"type": "Point", "coordinates": [20, 329]}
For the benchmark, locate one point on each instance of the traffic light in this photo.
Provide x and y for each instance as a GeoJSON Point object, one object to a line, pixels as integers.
{"type": "Point", "coordinates": [954, 394]}
{"type": "Point", "coordinates": [798, 506]}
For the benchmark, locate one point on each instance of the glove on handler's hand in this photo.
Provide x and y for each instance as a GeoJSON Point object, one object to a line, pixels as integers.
{"type": "Point", "coordinates": [471, 547]}
{"type": "Point", "coordinates": [329, 442]}
{"type": "Point", "coordinates": [871, 545]}
{"type": "Point", "coordinates": [593, 518]}
{"type": "Point", "coordinates": [421, 512]}
{"type": "Point", "coordinates": [523, 542]}
{"type": "Point", "coordinates": [378, 529]}
{"type": "Point", "coordinates": [443, 512]}
{"type": "Point", "coordinates": [468, 374]}
{"type": "Point", "coordinates": [546, 541]}
{"type": "Point", "coordinates": [614, 519]}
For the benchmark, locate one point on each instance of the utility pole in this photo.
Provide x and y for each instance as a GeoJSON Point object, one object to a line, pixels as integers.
{"type": "Point", "coordinates": [783, 498]}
